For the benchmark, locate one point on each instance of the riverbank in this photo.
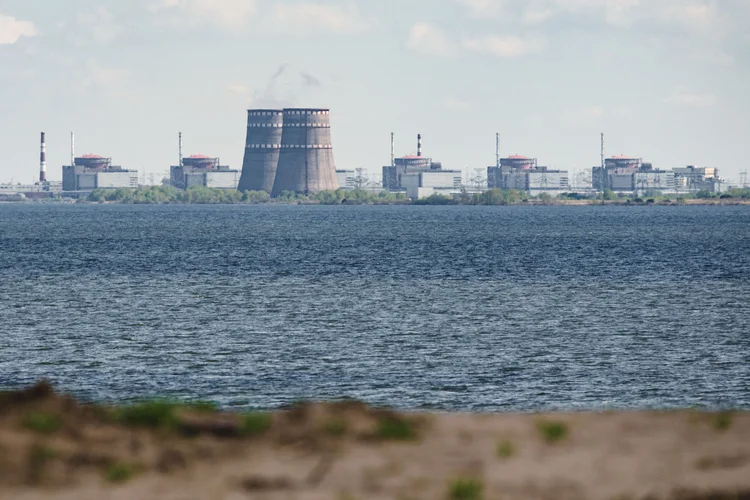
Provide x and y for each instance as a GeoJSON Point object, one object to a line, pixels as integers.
{"type": "Point", "coordinates": [163, 195]}
{"type": "Point", "coordinates": [52, 447]}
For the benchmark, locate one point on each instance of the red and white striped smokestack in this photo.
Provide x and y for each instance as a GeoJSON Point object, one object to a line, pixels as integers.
{"type": "Point", "coordinates": [419, 145]}
{"type": "Point", "coordinates": [43, 161]}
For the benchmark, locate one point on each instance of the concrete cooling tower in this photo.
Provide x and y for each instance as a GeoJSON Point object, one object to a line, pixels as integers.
{"type": "Point", "coordinates": [306, 159]}
{"type": "Point", "coordinates": [262, 147]}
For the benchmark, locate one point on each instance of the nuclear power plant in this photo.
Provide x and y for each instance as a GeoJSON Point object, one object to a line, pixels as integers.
{"type": "Point", "coordinates": [288, 150]}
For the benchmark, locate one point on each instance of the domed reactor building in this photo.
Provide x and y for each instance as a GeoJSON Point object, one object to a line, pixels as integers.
{"type": "Point", "coordinates": [306, 162]}
{"type": "Point", "coordinates": [262, 148]}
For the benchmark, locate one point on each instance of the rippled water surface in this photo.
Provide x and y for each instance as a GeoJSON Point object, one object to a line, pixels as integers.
{"type": "Point", "coordinates": [461, 308]}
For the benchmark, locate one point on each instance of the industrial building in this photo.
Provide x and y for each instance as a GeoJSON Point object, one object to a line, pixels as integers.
{"type": "Point", "coordinates": [90, 172]}
{"type": "Point", "coordinates": [693, 179]}
{"type": "Point", "coordinates": [631, 175]}
{"type": "Point", "coordinates": [347, 179]}
{"type": "Point", "coordinates": [623, 174]}
{"type": "Point", "coordinates": [203, 171]}
{"type": "Point", "coordinates": [419, 175]}
{"type": "Point", "coordinates": [524, 174]}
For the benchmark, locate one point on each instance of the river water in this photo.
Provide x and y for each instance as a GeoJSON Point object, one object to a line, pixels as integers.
{"type": "Point", "coordinates": [449, 308]}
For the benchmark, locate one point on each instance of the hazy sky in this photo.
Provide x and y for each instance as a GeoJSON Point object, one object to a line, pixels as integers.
{"type": "Point", "coordinates": [666, 80]}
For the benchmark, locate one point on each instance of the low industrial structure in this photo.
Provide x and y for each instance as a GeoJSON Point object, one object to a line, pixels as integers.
{"type": "Point", "coordinates": [90, 172]}
{"type": "Point", "coordinates": [693, 179]}
{"type": "Point", "coordinates": [347, 179]}
{"type": "Point", "coordinates": [419, 175]}
{"type": "Point", "coordinates": [203, 171]}
{"type": "Point", "coordinates": [37, 191]}
{"type": "Point", "coordinates": [630, 175]}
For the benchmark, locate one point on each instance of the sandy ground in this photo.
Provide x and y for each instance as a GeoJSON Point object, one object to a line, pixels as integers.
{"type": "Point", "coordinates": [347, 451]}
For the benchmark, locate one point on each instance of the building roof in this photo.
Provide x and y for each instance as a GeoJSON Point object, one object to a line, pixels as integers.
{"type": "Point", "coordinates": [200, 157]}
{"type": "Point", "coordinates": [518, 157]}
{"type": "Point", "coordinates": [92, 157]}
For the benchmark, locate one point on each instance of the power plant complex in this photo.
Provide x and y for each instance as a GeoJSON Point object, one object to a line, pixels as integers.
{"type": "Point", "coordinates": [290, 151]}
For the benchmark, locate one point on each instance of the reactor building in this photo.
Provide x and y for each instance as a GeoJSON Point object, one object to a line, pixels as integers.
{"type": "Point", "coordinates": [288, 150]}
{"type": "Point", "coordinates": [419, 175]}
{"type": "Point", "coordinates": [524, 174]}
{"type": "Point", "coordinates": [623, 174]}
{"type": "Point", "coordinates": [629, 175]}
{"type": "Point", "coordinates": [203, 171]}
{"type": "Point", "coordinates": [90, 172]}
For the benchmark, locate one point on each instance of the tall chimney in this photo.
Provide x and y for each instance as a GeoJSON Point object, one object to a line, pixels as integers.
{"type": "Point", "coordinates": [72, 149]}
{"type": "Point", "coordinates": [43, 161]}
{"type": "Point", "coordinates": [180, 147]}
{"type": "Point", "coordinates": [393, 149]}
{"type": "Point", "coordinates": [497, 149]}
{"type": "Point", "coordinates": [419, 145]}
{"type": "Point", "coordinates": [603, 150]}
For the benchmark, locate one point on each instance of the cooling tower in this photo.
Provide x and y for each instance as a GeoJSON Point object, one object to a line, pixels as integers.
{"type": "Point", "coordinates": [262, 146]}
{"type": "Point", "coordinates": [306, 160]}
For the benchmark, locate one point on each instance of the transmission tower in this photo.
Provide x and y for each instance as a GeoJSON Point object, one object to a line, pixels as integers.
{"type": "Point", "coordinates": [743, 179]}
{"type": "Point", "coordinates": [360, 179]}
{"type": "Point", "coordinates": [479, 180]}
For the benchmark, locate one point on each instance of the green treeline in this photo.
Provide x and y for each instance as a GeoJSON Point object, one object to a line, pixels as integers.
{"type": "Point", "coordinates": [653, 196]}
{"type": "Point", "coordinates": [154, 195]}
{"type": "Point", "coordinates": [490, 197]}
{"type": "Point", "coordinates": [212, 196]}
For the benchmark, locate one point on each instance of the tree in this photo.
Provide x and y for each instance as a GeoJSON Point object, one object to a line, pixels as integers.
{"type": "Point", "coordinates": [545, 198]}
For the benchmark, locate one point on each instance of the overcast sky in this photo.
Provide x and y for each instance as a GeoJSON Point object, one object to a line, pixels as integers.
{"type": "Point", "coordinates": [666, 80]}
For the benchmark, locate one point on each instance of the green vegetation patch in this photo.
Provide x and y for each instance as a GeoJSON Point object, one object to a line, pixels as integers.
{"type": "Point", "coordinates": [393, 428]}
{"type": "Point", "coordinates": [120, 472]}
{"type": "Point", "coordinates": [255, 424]}
{"type": "Point", "coordinates": [505, 449]}
{"type": "Point", "coordinates": [157, 414]}
{"type": "Point", "coordinates": [723, 421]}
{"type": "Point", "coordinates": [552, 431]}
{"type": "Point", "coordinates": [152, 414]}
{"type": "Point", "coordinates": [42, 422]}
{"type": "Point", "coordinates": [465, 489]}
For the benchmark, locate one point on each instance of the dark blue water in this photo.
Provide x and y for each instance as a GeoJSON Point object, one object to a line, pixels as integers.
{"type": "Point", "coordinates": [461, 308]}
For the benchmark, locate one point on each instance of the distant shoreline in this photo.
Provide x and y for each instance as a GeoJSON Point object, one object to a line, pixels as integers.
{"type": "Point", "coordinates": [535, 203]}
{"type": "Point", "coordinates": [166, 195]}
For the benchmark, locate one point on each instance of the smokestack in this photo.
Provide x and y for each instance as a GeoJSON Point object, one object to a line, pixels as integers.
{"type": "Point", "coordinates": [419, 145]}
{"type": "Point", "coordinates": [43, 161]}
{"type": "Point", "coordinates": [603, 150]}
{"type": "Point", "coordinates": [497, 150]}
{"type": "Point", "coordinates": [180, 147]}
{"type": "Point", "coordinates": [393, 149]}
{"type": "Point", "coordinates": [72, 149]}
